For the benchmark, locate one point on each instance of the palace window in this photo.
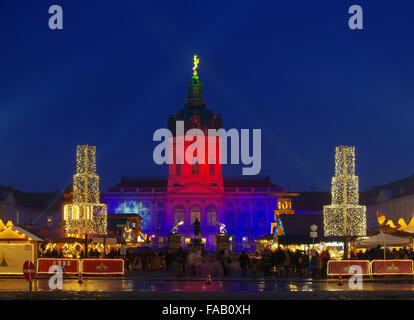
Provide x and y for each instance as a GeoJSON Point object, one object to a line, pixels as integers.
{"type": "Point", "coordinates": [261, 221]}
{"type": "Point", "coordinates": [178, 169]}
{"type": "Point", "coordinates": [245, 221]}
{"type": "Point", "coordinates": [212, 169]}
{"type": "Point", "coordinates": [195, 212]}
{"type": "Point", "coordinates": [211, 216]}
{"type": "Point", "coordinates": [178, 214]}
{"type": "Point", "coordinates": [161, 219]}
{"type": "Point", "coordinates": [195, 168]}
{"type": "Point", "coordinates": [229, 219]}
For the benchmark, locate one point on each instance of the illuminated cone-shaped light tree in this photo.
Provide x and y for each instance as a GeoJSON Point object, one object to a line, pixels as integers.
{"type": "Point", "coordinates": [85, 215]}
{"type": "Point", "coordinates": [344, 217]}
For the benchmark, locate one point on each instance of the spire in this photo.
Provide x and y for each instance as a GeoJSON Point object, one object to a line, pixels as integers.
{"type": "Point", "coordinates": [195, 88]}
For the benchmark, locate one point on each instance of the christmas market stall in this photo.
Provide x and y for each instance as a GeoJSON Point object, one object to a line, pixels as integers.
{"type": "Point", "coordinates": [382, 239]}
{"type": "Point", "coordinates": [17, 245]}
{"type": "Point", "coordinates": [293, 233]}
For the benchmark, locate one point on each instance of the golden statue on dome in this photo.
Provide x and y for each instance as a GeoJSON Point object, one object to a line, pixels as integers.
{"type": "Point", "coordinates": [196, 61]}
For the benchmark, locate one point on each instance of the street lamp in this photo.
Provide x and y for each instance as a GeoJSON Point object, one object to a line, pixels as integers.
{"type": "Point", "coordinates": [313, 234]}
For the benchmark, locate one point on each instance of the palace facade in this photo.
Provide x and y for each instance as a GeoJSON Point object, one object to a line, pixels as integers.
{"type": "Point", "coordinates": [245, 205]}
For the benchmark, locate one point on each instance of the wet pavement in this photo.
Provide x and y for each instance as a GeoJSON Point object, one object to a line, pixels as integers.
{"type": "Point", "coordinates": [118, 288]}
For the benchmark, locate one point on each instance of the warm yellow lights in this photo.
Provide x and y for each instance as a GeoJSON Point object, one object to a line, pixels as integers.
{"type": "Point", "coordinates": [85, 214]}
{"type": "Point", "coordinates": [284, 206]}
{"type": "Point", "coordinates": [380, 218]}
{"type": "Point", "coordinates": [391, 224]}
{"type": "Point", "coordinates": [344, 217]}
{"type": "Point", "coordinates": [400, 225]}
{"type": "Point", "coordinates": [196, 61]}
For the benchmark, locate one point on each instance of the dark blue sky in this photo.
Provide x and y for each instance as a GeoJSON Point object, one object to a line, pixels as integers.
{"type": "Point", "coordinates": [292, 68]}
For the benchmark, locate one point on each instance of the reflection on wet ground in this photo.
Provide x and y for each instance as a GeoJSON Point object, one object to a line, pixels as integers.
{"type": "Point", "coordinates": [144, 285]}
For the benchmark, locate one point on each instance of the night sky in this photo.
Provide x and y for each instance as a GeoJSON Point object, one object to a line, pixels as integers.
{"type": "Point", "coordinates": [293, 68]}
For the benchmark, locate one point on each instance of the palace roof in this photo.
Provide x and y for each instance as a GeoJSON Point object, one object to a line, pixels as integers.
{"type": "Point", "coordinates": [158, 182]}
{"type": "Point", "coordinates": [38, 200]}
{"type": "Point", "coordinates": [396, 189]}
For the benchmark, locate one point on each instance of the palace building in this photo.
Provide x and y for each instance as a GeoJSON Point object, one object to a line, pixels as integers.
{"type": "Point", "coordinates": [245, 205]}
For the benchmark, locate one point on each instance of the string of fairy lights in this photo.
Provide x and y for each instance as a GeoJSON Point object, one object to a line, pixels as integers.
{"type": "Point", "coordinates": [85, 215]}
{"type": "Point", "coordinates": [345, 217]}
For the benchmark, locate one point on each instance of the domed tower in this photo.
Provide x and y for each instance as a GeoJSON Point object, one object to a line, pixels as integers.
{"type": "Point", "coordinates": [204, 166]}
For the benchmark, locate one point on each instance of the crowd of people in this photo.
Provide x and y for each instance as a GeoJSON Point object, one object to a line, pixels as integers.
{"type": "Point", "coordinates": [267, 262]}
{"type": "Point", "coordinates": [284, 263]}
{"type": "Point", "coordinates": [191, 262]}
{"type": "Point", "coordinates": [377, 253]}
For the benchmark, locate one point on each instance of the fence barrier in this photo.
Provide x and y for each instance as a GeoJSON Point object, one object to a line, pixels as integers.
{"type": "Point", "coordinates": [371, 268]}
{"type": "Point", "coordinates": [86, 266]}
{"type": "Point", "coordinates": [69, 266]}
{"type": "Point", "coordinates": [102, 266]}
{"type": "Point", "coordinates": [341, 267]}
{"type": "Point", "coordinates": [384, 267]}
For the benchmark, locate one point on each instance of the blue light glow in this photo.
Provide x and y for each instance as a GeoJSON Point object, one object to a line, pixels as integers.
{"type": "Point", "coordinates": [131, 207]}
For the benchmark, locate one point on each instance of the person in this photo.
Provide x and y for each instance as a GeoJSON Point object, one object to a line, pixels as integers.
{"type": "Point", "coordinates": [266, 256]}
{"type": "Point", "coordinates": [311, 265]}
{"type": "Point", "coordinates": [325, 257]}
{"type": "Point", "coordinates": [286, 262]}
{"type": "Point", "coordinates": [300, 263]}
{"type": "Point", "coordinates": [180, 262]}
{"type": "Point", "coordinates": [198, 260]}
{"type": "Point", "coordinates": [220, 259]}
{"type": "Point", "coordinates": [128, 263]}
{"type": "Point", "coordinates": [168, 260]}
{"type": "Point", "coordinates": [280, 259]}
{"type": "Point", "coordinates": [243, 261]}
{"type": "Point", "coordinates": [256, 257]}
{"type": "Point", "coordinates": [318, 265]}
{"type": "Point", "coordinates": [225, 261]}
{"type": "Point", "coordinates": [191, 263]}
{"type": "Point", "coordinates": [228, 262]}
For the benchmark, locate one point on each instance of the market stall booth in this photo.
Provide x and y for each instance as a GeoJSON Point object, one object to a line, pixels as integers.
{"type": "Point", "coordinates": [294, 233]}
{"type": "Point", "coordinates": [330, 244]}
{"type": "Point", "coordinates": [17, 245]}
{"type": "Point", "coordinates": [383, 240]}
{"type": "Point", "coordinates": [74, 248]}
{"type": "Point", "coordinates": [382, 264]}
